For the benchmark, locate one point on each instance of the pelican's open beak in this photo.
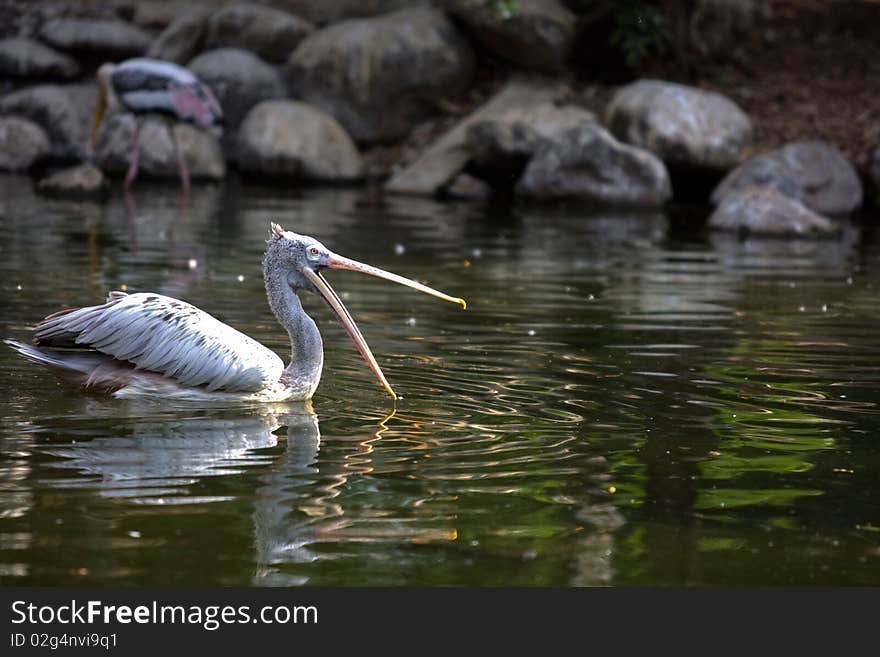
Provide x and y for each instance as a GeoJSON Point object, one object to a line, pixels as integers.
{"type": "Point", "coordinates": [100, 107]}
{"type": "Point", "coordinates": [338, 262]}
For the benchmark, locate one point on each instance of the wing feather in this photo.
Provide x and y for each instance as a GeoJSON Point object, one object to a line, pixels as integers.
{"type": "Point", "coordinates": [171, 337]}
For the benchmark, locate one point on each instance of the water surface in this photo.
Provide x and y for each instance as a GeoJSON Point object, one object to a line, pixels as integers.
{"type": "Point", "coordinates": [628, 400]}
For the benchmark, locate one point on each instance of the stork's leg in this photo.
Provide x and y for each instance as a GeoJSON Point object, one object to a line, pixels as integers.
{"type": "Point", "coordinates": [181, 160]}
{"type": "Point", "coordinates": [135, 155]}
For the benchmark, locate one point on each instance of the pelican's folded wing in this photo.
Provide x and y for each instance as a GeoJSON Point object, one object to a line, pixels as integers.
{"type": "Point", "coordinates": [164, 335]}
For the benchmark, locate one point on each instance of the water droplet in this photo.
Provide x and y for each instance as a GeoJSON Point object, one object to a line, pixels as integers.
{"type": "Point", "coordinates": [824, 307]}
{"type": "Point", "coordinates": [477, 253]}
{"type": "Point", "coordinates": [411, 321]}
{"type": "Point", "coordinates": [801, 308]}
{"type": "Point", "coordinates": [399, 249]}
{"type": "Point", "coordinates": [18, 287]}
{"type": "Point", "coordinates": [134, 534]}
{"type": "Point", "coordinates": [531, 331]}
{"type": "Point", "coordinates": [241, 278]}
{"type": "Point", "coordinates": [590, 297]}
{"type": "Point", "coordinates": [193, 263]}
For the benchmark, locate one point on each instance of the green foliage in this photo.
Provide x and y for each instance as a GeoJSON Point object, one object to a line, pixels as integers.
{"type": "Point", "coordinates": [639, 28]}
{"type": "Point", "coordinates": [504, 8]}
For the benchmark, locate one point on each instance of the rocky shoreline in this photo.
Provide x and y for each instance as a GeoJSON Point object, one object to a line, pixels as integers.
{"type": "Point", "coordinates": [390, 94]}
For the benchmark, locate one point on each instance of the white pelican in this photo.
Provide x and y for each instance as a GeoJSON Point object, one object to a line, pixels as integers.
{"type": "Point", "coordinates": [149, 344]}
{"type": "Point", "coordinates": [143, 85]}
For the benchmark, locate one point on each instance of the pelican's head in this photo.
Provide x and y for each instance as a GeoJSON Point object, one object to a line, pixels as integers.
{"type": "Point", "coordinates": [302, 258]}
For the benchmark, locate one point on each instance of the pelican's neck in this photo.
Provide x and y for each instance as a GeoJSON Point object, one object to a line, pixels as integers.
{"type": "Point", "coordinates": [306, 347]}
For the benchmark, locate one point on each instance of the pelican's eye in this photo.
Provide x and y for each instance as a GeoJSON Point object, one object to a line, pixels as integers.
{"type": "Point", "coordinates": [313, 253]}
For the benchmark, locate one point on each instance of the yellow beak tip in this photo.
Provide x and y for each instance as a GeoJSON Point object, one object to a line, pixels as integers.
{"type": "Point", "coordinates": [462, 303]}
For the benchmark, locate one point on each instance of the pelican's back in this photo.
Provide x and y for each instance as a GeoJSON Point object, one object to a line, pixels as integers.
{"type": "Point", "coordinates": [167, 336]}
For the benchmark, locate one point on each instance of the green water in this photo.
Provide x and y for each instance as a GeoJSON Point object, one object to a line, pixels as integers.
{"type": "Point", "coordinates": [628, 400]}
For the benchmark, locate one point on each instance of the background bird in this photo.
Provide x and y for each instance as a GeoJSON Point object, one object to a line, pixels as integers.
{"type": "Point", "coordinates": [149, 344]}
{"type": "Point", "coordinates": [145, 85]}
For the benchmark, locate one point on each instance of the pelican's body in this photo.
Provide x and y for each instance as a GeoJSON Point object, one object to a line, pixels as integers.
{"type": "Point", "coordinates": [144, 85]}
{"type": "Point", "coordinates": [149, 344]}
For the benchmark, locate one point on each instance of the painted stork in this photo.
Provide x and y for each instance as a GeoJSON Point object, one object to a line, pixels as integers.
{"type": "Point", "coordinates": [149, 344]}
{"type": "Point", "coordinates": [145, 85]}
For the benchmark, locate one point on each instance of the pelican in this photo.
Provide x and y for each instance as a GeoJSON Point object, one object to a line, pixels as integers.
{"type": "Point", "coordinates": [143, 85]}
{"type": "Point", "coordinates": [149, 344]}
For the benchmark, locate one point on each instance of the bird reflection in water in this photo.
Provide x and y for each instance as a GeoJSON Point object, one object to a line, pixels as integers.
{"type": "Point", "coordinates": [297, 503]}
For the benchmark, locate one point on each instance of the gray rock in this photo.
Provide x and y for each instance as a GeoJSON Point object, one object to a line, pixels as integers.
{"type": "Point", "coordinates": [92, 35]}
{"type": "Point", "coordinates": [765, 210]}
{"type": "Point", "coordinates": [82, 181]}
{"type": "Point", "coordinates": [682, 125]}
{"type": "Point", "coordinates": [516, 132]}
{"type": "Point", "coordinates": [292, 139]}
{"type": "Point", "coordinates": [239, 79]}
{"type": "Point", "coordinates": [201, 148]}
{"type": "Point", "coordinates": [716, 24]}
{"type": "Point", "coordinates": [184, 37]}
{"type": "Point", "coordinates": [270, 33]}
{"type": "Point", "coordinates": [380, 76]}
{"type": "Point", "coordinates": [468, 188]}
{"type": "Point", "coordinates": [874, 174]}
{"type": "Point", "coordinates": [537, 34]}
{"type": "Point", "coordinates": [22, 144]}
{"type": "Point", "coordinates": [586, 162]}
{"type": "Point", "coordinates": [26, 58]}
{"type": "Point", "coordinates": [437, 165]}
{"type": "Point", "coordinates": [813, 172]}
{"type": "Point", "coordinates": [321, 12]}
{"type": "Point", "coordinates": [63, 111]}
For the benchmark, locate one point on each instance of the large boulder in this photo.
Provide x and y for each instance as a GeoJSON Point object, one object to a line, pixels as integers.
{"type": "Point", "coordinates": [63, 111]}
{"type": "Point", "coordinates": [81, 181]}
{"type": "Point", "coordinates": [111, 38]}
{"type": "Point", "coordinates": [586, 162]}
{"type": "Point", "coordinates": [22, 144]}
{"type": "Point", "coordinates": [766, 211]}
{"type": "Point", "coordinates": [521, 99]}
{"type": "Point", "coordinates": [537, 34]}
{"type": "Point", "coordinates": [26, 58]}
{"type": "Point", "coordinates": [501, 145]}
{"type": "Point", "coordinates": [291, 139]}
{"type": "Point", "coordinates": [270, 33]}
{"type": "Point", "coordinates": [815, 173]}
{"type": "Point", "coordinates": [874, 174]}
{"type": "Point", "coordinates": [184, 37]}
{"type": "Point", "coordinates": [321, 12]}
{"type": "Point", "coordinates": [379, 76]}
{"type": "Point", "coordinates": [158, 159]}
{"type": "Point", "coordinates": [683, 125]}
{"type": "Point", "coordinates": [239, 79]}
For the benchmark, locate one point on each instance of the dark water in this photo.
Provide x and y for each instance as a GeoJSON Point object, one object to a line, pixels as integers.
{"type": "Point", "coordinates": [627, 400]}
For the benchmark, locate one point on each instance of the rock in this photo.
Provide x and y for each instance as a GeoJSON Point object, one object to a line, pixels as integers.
{"type": "Point", "coordinates": [113, 38]}
{"type": "Point", "coordinates": [536, 34]}
{"type": "Point", "coordinates": [22, 144]}
{"type": "Point", "coordinates": [765, 210]}
{"type": "Point", "coordinates": [874, 174]}
{"type": "Point", "coordinates": [321, 12]}
{"type": "Point", "coordinates": [586, 162]}
{"type": "Point", "coordinates": [468, 188]}
{"type": "Point", "coordinates": [62, 111]}
{"type": "Point", "coordinates": [716, 24]}
{"type": "Point", "coordinates": [270, 33]}
{"type": "Point", "coordinates": [502, 145]}
{"type": "Point", "coordinates": [683, 125]}
{"type": "Point", "coordinates": [380, 76]}
{"type": "Point", "coordinates": [239, 79]}
{"type": "Point", "coordinates": [201, 148]}
{"type": "Point", "coordinates": [183, 38]}
{"type": "Point", "coordinates": [813, 172]}
{"type": "Point", "coordinates": [292, 139]}
{"type": "Point", "coordinates": [82, 181]}
{"type": "Point", "coordinates": [26, 58]}
{"type": "Point", "coordinates": [447, 156]}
